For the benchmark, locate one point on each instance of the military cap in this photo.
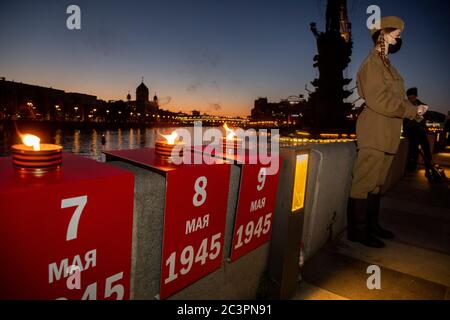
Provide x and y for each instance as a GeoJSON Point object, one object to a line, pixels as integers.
{"type": "Point", "coordinates": [389, 22]}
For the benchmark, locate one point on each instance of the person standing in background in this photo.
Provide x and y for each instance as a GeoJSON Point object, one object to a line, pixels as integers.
{"type": "Point", "coordinates": [416, 132]}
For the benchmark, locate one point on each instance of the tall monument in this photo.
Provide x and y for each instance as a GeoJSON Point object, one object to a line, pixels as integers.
{"type": "Point", "coordinates": [326, 107]}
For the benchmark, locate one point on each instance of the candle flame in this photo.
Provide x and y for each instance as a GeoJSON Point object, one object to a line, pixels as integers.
{"type": "Point", "coordinates": [31, 141]}
{"type": "Point", "coordinates": [230, 133]}
{"type": "Point", "coordinates": [170, 137]}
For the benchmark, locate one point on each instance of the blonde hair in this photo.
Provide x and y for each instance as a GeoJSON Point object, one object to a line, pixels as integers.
{"type": "Point", "coordinates": [379, 41]}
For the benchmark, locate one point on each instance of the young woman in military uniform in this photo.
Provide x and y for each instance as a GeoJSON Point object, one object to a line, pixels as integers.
{"type": "Point", "coordinates": [378, 132]}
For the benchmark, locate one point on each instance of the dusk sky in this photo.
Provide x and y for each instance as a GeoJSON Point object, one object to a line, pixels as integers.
{"type": "Point", "coordinates": [216, 56]}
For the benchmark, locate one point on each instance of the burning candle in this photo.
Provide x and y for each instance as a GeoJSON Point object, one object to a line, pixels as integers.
{"type": "Point", "coordinates": [230, 141]}
{"type": "Point", "coordinates": [32, 156]}
{"type": "Point", "coordinates": [164, 148]}
{"type": "Point", "coordinates": [229, 132]}
{"type": "Point", "coordinates": [31, 141]}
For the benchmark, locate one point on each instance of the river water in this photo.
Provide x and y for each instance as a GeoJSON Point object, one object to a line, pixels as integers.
{"type": "Point", "coordinates": [89, 142]}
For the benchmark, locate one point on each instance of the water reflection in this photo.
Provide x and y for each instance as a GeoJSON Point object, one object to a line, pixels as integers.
{"type": "Point", "coordinates": [119, 138]}
{"type": "Point", "coordinates": [130, 139]}
{"type": "Point", "coordinates": [58, 137]}
{"type": "Point", "coordinates": [76, 142]}
{"type": "Point", "coordinates": [88, 142]}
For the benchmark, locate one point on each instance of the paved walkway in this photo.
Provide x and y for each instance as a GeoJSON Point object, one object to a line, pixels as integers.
{"type": "Point", "coordinates": [415, 265]}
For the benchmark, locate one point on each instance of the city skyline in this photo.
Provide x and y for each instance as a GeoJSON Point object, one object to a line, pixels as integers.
{"type": "Point", "coordinates": [214, 57]}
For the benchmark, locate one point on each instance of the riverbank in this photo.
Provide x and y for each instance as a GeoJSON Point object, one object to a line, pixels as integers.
{"type": "Point", "coordinates": [25, 124]}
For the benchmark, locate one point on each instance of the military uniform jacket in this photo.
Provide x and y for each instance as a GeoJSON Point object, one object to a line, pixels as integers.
{"type": "Point", "coordinates": [383, 89]}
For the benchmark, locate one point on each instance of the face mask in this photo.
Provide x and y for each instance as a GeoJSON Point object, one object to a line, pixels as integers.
{"type": "Point", "coordinates": [393, 48]}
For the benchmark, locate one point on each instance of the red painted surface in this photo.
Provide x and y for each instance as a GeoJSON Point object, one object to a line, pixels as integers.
{"type": "Point", "coordinates": [80, 215]}
{"type": "Point", "coordinates": [147, 158]}
{"type": "Point", "coordinates": [255, 209]}
{"type": "Point", "coordinates": [246, 156]}
{"type": "Point", "coordinates": [194, 216]}
{"type": "Point", "coordinates": [194, 225]}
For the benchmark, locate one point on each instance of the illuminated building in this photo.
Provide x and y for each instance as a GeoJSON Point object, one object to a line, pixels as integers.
{"type": "Point", "coordinates": [20, 101]}
{"type": "Point", "coordinates": [287, 112]}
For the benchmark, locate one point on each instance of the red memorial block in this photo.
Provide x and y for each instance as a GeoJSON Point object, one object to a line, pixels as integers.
{"type": "Point", "coordinates": [256, 200]}
{"type": "Point", "coordinates": [255, 209]}
{"type": "Point", "coordinates": [65, 233]}
{"type": "Point", "coordinates": [194, 216]}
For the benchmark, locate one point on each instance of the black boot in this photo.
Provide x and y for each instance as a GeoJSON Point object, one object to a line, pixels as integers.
{"type": "Point", "coordinates": [357, 228]}
{"type": "Point", "coordinates": [433, 175]}
{"type": "Point", "coordinates": [373, 214]}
